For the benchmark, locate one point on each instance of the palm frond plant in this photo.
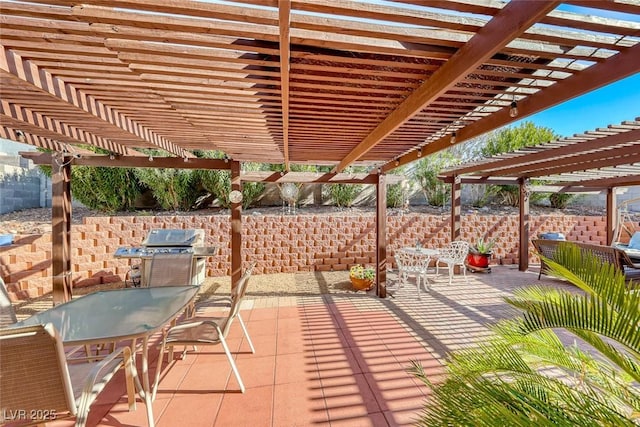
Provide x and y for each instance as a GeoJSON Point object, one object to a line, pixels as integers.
{"type": "Point", "coordinates": [525, 375]}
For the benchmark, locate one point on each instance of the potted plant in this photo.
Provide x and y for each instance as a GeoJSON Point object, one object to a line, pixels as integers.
{"type": "Point", "coordinates": [480, 253]}
{"type": "Point", "coordinates": [362, 277]}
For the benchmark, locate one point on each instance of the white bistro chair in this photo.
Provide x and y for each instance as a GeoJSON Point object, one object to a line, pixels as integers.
{"type": "Point", "coordinates": [454, 255]}
{"type": "Point", "coordinates": [413, 263]}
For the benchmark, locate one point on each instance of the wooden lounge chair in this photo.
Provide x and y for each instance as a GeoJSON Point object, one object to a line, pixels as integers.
{"type": "Point", "coordinates": [38, 384]}
{"type": "Point", "coordinates": [612, 255]}
{"type": "Point", "coordinates": [546, 248]}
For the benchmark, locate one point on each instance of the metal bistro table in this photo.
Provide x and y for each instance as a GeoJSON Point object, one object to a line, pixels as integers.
{"type": "Point", "coordinates": [118, 315]}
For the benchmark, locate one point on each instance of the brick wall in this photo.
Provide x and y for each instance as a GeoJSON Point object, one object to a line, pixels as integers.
{"type": "Point", "coordinates": [276, 243]}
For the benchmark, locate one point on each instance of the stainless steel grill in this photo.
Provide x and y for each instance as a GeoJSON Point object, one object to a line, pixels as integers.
{"type": "Point", "coordinates": [168, 241]}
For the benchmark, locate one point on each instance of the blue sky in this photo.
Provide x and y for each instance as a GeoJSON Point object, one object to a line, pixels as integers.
{"type": "Point", "coordinates": [610, 104]}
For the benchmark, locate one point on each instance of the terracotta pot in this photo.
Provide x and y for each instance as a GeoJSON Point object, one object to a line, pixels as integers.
{"type": "Point", "coordinates": [478, 260]}
{"type": "Point", "coordinates": [361, 284]}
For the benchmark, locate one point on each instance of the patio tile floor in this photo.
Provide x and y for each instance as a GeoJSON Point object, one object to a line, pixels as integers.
{"type": "Point", "coordinates": [325, 360]}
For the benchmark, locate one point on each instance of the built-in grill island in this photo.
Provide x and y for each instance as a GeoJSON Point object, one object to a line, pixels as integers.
{"type": "Point", "coordinates": [168, 241]}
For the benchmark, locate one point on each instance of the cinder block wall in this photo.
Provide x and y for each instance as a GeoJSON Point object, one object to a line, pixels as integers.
{"type": "Point", "coordinates": [276, 243]}
{"type": "Point", "coordinates": [19, 192]}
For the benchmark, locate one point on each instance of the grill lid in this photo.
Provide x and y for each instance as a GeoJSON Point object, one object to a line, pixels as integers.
{"type": "Point", "coordinates": [164, 237]}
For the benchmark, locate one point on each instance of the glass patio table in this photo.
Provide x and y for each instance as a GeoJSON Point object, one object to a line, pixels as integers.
{"type": "Point", "coordinates": [118, 315]}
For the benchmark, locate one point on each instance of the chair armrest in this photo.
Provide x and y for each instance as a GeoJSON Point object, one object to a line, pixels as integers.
{"type": "Point", "coordinates": [215, 302]}
{"type": "Point", "coordinates": [107, 362]}
{"type": "Point", "coordinates": [189, 325]}
{"type": "Point", "coordinates": [101, 374]}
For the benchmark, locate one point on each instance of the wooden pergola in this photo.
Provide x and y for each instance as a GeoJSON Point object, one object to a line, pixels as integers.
{"type": "Point", "coordinates": [595, 161]}
{"type": "Point", "coordinates": [336, 83]}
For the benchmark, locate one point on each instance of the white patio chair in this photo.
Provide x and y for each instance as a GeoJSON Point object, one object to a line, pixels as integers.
{"type": "Point", "coordinates": [454, 255]}
{"type": "Point", "coordinates": [413, 264]}
{"type": "Point", "coordinates": [203, 330]}
{"type": "Point", "coordinates": [37, 380]}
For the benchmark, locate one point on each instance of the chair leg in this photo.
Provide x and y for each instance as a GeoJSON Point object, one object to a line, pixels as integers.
{"type": "Point", "coordinates": [464, 271]}
{"type": "Point", "coordinates": [159, 369]}
{"type": "Point", "coordinates": [246, 334]}
{"type": "Point", "coordinates": [402, 277]}
{"type": "Point", "coordinates": [450, 274]}
{"type": "Point", "coordinates": [232, 363]}
{"type": "Point", "coordinates": [425, 280]}
{"type": "Point", "coordinates": [128, 372]}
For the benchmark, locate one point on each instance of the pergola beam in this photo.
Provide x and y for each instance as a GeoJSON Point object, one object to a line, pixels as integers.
{"type": "Point", "coordinates": [508, 24]}
{"type": "Point", "coordinates": [142, 161]}
{"type": "Point", "coordinates": [620, 181]}
{"type": "Point", "coordinates": [285, 52]}
{"type": "Point", "coordinates": [219, 164]}
{"type": "Point", "coordinates": [317, 178]}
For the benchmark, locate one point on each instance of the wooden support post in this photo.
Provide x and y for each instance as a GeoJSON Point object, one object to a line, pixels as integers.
{"type": "Point", "coordinates": [61, 229]}
{"type": "Point", "coordinates": [523, 246]}
{"type": "Point", "coordinates": [456, 202]}
{"type": "Point", "coordinates": [236, 227]}
{"type": "Point", "coordinates": [612, 215]}
{"type": "Point", "coordinates": [456, 192]}
{"type": "Point", "coordinates": [381, 236]}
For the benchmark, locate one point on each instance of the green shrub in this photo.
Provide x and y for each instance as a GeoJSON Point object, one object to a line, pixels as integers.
{"type": "Point", "coordinates": [105, 189]}
{"type": "Point", "coordinates": [560, 200]}
{"type": "Point", "coordinates": [102, 188]}
{"type": "Point", "coordinates": [343, 195]}
{"type": "Point", "coordinates": [218, 182]}
{"type": "Point", "coordinates": [173, 189]}
{"type": "Point", "coordinates": [395, 195]}
{"type": "Point", "coordinates": [425, 173]}
{"type": "Point", "coordinates": [481, 194]}
{"type": "Point", "coordinates": [510, 139]}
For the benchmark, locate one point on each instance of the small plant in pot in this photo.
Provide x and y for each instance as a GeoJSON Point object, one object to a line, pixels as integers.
{"type": "Point", "coordinates": [480, 253]}
{"type": "Point", "coordinates": [362, 277]}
